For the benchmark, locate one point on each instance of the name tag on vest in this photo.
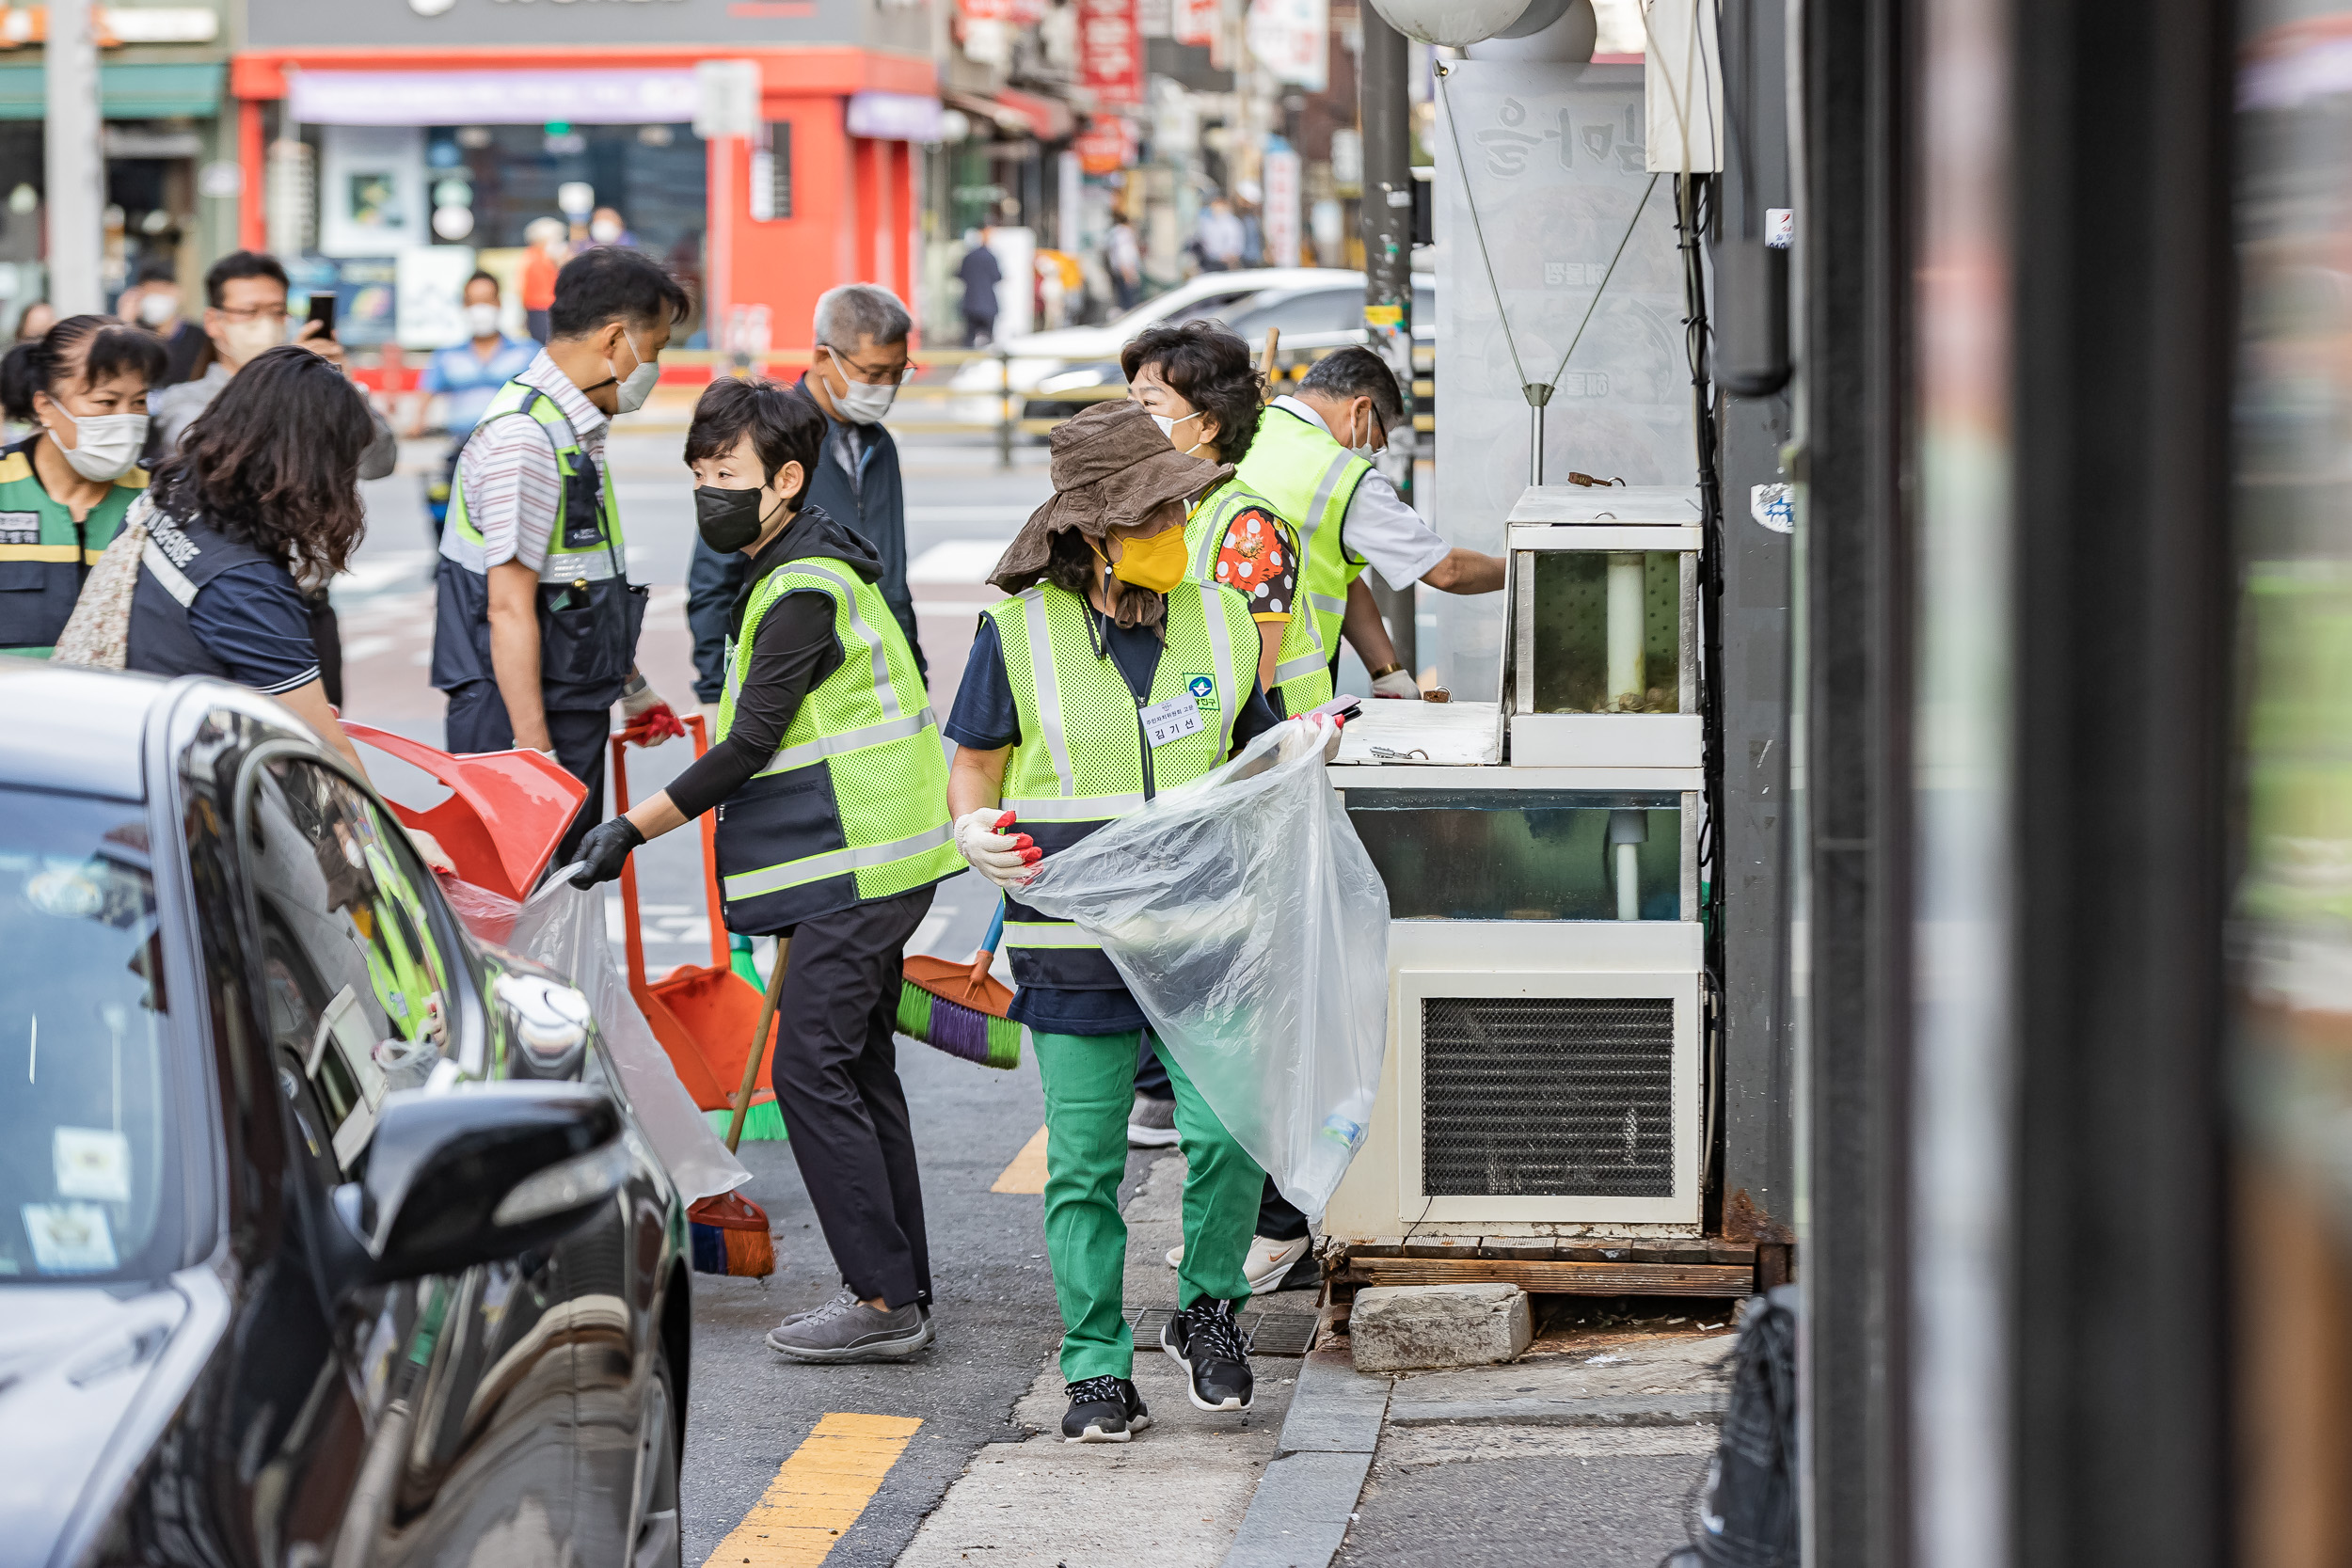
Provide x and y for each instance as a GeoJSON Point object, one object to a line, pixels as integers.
{"type": "Point", "coordinates": [1172, 720]}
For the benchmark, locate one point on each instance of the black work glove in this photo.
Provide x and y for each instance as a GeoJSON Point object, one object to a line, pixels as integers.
{"type": "Point", "coordinates": [605, 851]}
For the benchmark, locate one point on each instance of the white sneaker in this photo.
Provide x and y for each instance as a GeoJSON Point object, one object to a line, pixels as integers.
{"type": "Point", "coordinates": [1267, 1263]}
{"type": "Point", "coordinates": [1151, 1124]}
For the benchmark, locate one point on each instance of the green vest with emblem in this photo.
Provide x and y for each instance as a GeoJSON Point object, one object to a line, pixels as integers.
{"type": "Point", "coordinates": [853, 805]}
{"type": "Point", "coordinates": [1308, 683]}
{"type": "Point", "coordinates": [589, 612]}
{"type": "Point", "coordinates": [1083, 758]}
{"type": "Point", "coordinates": [44, 554]}
{"type": "Point", "coordinates": [1309, 479]}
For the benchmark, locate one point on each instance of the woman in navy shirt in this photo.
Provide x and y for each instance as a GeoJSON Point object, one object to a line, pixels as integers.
{"type": "Point", "coordinates": [261, 497]}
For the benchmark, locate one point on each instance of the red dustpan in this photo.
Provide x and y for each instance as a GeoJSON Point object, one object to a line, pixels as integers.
{"type": "Point", "coordinates": [703, 1016]}
{"type": "Point", "coordinates": [505, 813]}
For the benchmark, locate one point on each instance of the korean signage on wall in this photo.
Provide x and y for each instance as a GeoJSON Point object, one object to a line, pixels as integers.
{"type": "Point", "coordinates": [1110, 51]}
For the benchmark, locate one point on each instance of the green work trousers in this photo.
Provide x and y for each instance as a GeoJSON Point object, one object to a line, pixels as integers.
{"type": "Point", "coordinates": [1090, 1087]}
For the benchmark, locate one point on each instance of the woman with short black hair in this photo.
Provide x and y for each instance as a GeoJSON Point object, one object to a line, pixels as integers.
{"type": "Point", "coordinates": [834, 833]}
{"type": "Point", "coordinates": [65, 490]}
{"type": "Point", "coordinates": [1196, 382]}
{"type": "Point", "coordinates": [261, 499]}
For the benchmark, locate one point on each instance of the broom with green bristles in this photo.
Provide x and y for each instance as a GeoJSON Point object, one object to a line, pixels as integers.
{"type": "Point", "coordinates": [960, 1009]}
{"type": "Point", "coordinates": [729, 1233]}
{"type": "Point", "coordinates": [764, 1122]}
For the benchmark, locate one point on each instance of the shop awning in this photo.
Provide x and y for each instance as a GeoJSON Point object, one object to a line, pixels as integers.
{"type": "Point", "coordinates": [172, 91]}
{"type": "Point", "coordinates": [491, 97]}
{"type": "Point", "coordinates": [1047, 118]}
{"type": "Point", "coordinates": [895, 116]}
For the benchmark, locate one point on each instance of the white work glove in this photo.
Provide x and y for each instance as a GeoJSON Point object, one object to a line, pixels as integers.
{"type": "Point", "coordinates": [1003, 858]}
{"type": "Point", "coordinates": [1307, 732]}
{"type": "Point", "coordinates": [1397, 683]}
{"type": "Point", "coordinates": [650, 721]}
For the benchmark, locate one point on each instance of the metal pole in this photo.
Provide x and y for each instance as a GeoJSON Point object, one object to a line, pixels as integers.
{"type": "Point", "coordinates": [76, 164]}
{"type": "Point", "coordinates": [1385, 98]}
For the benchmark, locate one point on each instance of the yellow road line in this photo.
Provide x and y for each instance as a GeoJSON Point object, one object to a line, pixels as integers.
{"type": "Point", "coordinates": [817, 1493]}
{"type": "Point", "coordinates": [1026, 1174]}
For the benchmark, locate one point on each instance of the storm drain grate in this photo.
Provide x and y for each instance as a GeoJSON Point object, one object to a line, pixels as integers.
{"type": "Point", "coordinates": [1547, 1097]}
{"type": "Point", "coordinates": [1265, 1333]}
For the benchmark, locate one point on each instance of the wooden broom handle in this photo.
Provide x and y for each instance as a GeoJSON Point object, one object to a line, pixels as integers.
{"type": "Point", "coordinates": [759, 1043]}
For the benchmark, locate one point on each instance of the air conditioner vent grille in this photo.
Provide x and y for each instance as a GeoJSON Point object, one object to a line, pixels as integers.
{"type": "Point", "coordinates": [1547, 1097]}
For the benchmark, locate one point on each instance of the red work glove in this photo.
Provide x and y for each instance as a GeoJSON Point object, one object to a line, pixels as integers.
{"type": "Point", "coordinates": [652, 727]}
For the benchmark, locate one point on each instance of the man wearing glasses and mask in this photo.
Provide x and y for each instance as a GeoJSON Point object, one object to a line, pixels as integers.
{"type": "Point", "coordinates": [860, 360]}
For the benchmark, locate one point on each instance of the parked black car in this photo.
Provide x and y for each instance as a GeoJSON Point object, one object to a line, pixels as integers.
{"type": "Point", "coordinates": [261, 1304]}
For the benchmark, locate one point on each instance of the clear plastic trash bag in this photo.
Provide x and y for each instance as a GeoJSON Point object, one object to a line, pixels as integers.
{"type": "Point", "coordinates": [563, 928]}
{"type": "Point", "coordinates": [1253, 930]}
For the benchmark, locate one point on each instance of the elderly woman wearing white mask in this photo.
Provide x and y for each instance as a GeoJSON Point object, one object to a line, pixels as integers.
{"type": "Point", "coordinates": [64, 490]}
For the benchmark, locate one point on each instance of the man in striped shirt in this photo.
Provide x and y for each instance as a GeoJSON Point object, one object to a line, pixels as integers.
{"type": "Point", "coordinates": [535, 633]}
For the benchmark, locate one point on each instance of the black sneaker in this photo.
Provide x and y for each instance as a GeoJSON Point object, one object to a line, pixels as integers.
{"type": "Point", "coordinates": [1204, 1339]}
{"type": "Point", "coordinates": [1103, 1410]}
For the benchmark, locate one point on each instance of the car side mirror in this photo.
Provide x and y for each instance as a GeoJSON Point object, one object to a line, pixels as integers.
{"type": "Point", "coordinates": [477, 1174]}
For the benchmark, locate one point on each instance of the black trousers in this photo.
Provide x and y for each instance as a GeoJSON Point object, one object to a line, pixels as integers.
{"type": "Point", "coordinates": [478, 723]}
{"type": "Point", "coordinates": [836, 1082]}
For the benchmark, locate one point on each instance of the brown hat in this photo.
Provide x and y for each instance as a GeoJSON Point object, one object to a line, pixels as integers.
{"type": "Point", "coordinates": [1112, 468]}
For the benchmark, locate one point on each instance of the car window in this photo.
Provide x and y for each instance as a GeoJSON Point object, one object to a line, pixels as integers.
{"type": "Point", "coordinates": [355, 977]}
{"type": "Point", "coordinates": [1219, 307]}
{"type": "Point", "coordinates": [87, 1145]}
{"type": "Point", "coordinates": [1307, 311]}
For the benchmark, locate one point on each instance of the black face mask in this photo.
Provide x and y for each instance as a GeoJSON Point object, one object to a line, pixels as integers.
{"type": "Point", "coordinates": [728, 519]}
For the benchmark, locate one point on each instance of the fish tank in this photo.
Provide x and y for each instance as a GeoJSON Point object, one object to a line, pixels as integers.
{"type": "Point", "coordinates": [1603, 631]}
{"type": "Point", "coordinates": [1516, 854]}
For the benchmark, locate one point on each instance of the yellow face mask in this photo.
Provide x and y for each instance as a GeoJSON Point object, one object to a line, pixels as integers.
{"type": "Point", "coordinates": [1156, 563]}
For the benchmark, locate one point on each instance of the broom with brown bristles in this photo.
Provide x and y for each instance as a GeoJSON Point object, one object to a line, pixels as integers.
{"type": "Point", "coordinates": [729, 1232]}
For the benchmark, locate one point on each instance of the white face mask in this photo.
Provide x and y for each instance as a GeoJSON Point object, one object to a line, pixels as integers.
{"type": "Point", "coordinates": [1168, 428]}
{"type": "Point", "coordinates": [482, 321]}
{"type": "Point", "coordinates": [106, 446]}
{"type": "Point", "coordinates": [632, 391]}
{"type": "Point", "coordinates": [157, 309]}
{"type": "Point", "coordinates": [604, 231]}
{"type": "Point", "coordinates": [250, 339]}
{"type": "Point", "coordinates": [861, 402]}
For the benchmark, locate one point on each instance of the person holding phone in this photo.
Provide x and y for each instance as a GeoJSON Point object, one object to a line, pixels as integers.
{"type": "Point", "coordinates": [246, 316]}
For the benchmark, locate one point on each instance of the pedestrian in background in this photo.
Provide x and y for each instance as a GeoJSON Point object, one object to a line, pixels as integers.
{"type": "Point", "coordinates": [1122, 258]}
{"type": "Point", "coordinates": [1218, 237]}
{"type": "Point", "coordinates": [466, 376]}
{"type": "Point", "coordinates": [550, 246]}
{"type": "Point", "coordinates": [860, 360]}
{"type": "Point", "coordinates": [65, 489]}
{"type": "Point", "coordinates": [154, 303]}
{"type": "Point", "coordinates": [35, 321]}
{"type": "Point", "coordinates": [833, 834]}
{"type": "Point", "coordinates": [246, 316]}
{"type": "Point", "coordinates": [604, 226]}
{"type": "Point", "coordinates": [979, 272]}
{"type": "Point", "coordinates": [534, 634]}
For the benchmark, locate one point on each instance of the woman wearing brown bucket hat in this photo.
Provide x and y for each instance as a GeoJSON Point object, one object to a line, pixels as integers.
{"type": "Point", "coordinates": [1109, 674]}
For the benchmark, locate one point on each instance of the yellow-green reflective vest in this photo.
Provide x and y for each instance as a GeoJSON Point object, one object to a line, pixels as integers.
{"type": "Point", "coordinates": [1309, 479]}
{"type": "Point", "coordinates": [44, 554]}
{"type": "Point", "coordinates": [1082, 760]}
{"type": "Point", "coordinates": [585, 545]}
{"type": "Point", "coordinates": [1308, 684]}
{"type": "Point", "coordinates": [853, 805]}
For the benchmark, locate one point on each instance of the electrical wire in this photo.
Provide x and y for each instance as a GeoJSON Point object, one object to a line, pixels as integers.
{"type": "Point", "coordinates": [1453, 130]}
{"type": "Point", "coordinates": [1594, 302]}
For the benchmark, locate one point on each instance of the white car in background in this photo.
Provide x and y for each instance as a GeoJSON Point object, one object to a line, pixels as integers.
{"type": "Point", "coordinates": [1314, 308]}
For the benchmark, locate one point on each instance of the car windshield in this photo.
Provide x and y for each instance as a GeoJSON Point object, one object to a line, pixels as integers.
{"type": "Point", "coordinates": [88, 1151]}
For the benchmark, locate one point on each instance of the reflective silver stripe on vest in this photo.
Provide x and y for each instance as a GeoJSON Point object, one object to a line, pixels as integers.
{"type": "Point", "coordinates": [1305, 664]}
{"type": "Point", "coordinates": [833, 863]}
{"type": "Point", "coordinates": [1048, 687]}
{"type": "Point", "coordinates": [884, 691]}
{"type": "Point", "coordinates": [1059, 933]}
{"type": "Point", "coordinates": [175, 582]}
{"type": "Point", "coordinates": [1081, 808]}
{"type": "Point", "coordinates": [591, 565]}
{"type": "Point", "coordinates": [807, 751]}
{"type": "Point", "coordinates": [1221, 644]}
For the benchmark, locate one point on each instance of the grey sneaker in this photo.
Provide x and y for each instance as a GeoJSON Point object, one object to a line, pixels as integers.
{"type": "Point", "coordinates": [843, 1295]}
{"type": "Point", "coordinates": [846, 1329]}
{"type": "Point", "coordinates": [1152, 1123]}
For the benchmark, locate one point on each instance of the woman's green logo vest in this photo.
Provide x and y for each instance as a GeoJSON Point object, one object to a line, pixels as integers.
{"type": "Point", "coordinates": [1082, 761]}
{"type": "Point", "coordinates": [1308, 681]}
{"type": "Point", "coordinates": [1309, 479]}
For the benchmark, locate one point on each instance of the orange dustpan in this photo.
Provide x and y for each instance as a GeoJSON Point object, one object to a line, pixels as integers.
{"type": "Point", "coordinates": [505, 813]}
{"type": "Point", "coordinates": [703, 1016]}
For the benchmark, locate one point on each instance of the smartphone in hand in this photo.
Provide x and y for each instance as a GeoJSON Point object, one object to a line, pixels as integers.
{"type": "Point", "coordinates": [323, 315]}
